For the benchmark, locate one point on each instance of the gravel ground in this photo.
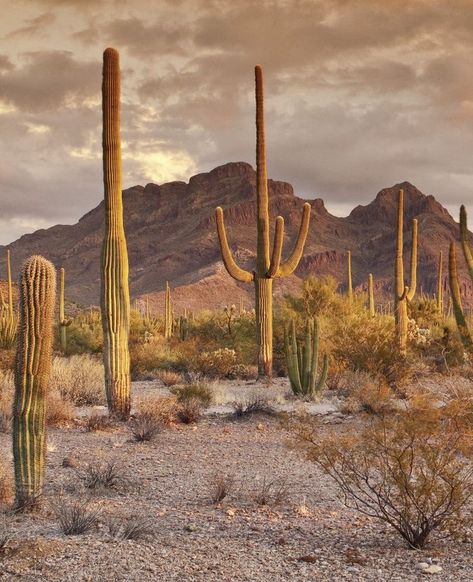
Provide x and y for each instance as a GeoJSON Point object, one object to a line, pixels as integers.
{"type": "Point", "coordinates": [308, 536]}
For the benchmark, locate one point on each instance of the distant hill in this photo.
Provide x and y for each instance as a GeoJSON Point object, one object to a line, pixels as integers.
{"type": "Point", "coordinates": [171, 236]}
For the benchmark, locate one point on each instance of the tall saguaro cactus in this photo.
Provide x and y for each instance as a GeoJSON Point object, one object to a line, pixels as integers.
{"type": "Point", "coordinates": [268, 265]}
{"type": "Point", "coordinates": [403, 293]}
{"type": "Point", "coordinates": [32, 369]}
{"type": "Point", "coordinates": [349, 278]}
{"type": "Point", "coordinates": [63, 322]}
{"type": "Point", "coordinates": [168, 315]}
{"type": "Point", "coordinates": [115, 295]}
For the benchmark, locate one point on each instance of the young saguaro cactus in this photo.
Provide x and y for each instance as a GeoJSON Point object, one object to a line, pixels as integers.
{"type": "Point", "coordinates": [268, 265]}
{"type": "Point", "coordinates": [349, 278]}
{"type": "Point", "coordinates": [371, 307]}
{"type": "Point", "coordinates": [403, 293]}
{"type": "Point", "coordinates": [63, 322]}
{"type": "Point", "coordinates": [115, 295]}
{"type": "Point", "coordinates": [455, 295]}
{"type": "Point", "coordinates": [32, 370]}
{"type": "Point", "coordinates": [440, 283]}
{"type": "Point", "coordinates": [302, 362]}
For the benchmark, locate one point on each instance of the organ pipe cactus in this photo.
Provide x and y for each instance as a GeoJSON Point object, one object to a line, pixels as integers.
{"type": "Point", "coordinates": [168, 313]}
{"type": "Point", "coordinates": [8, 317]}
{"type": "Point", "coordinates": [115, 296]}
{"type": "Point", "coordinates": [302, 361]}
{"type": "Point", "coordinates": [371, 295]}
{"type": "Point", "coordinates": [32, 370]}
{"type": "Point", "coordinates": [440, 283]}
{"type": "Point", "coordinates": [268, 264]}
{"type": "Point", "coordinates": [403, 293]}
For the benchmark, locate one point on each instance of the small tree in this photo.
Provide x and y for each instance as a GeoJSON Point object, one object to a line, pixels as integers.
{"type": "Point", "coordinates": [410, 470]}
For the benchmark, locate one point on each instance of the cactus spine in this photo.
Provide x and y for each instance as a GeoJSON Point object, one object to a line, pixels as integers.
{"type": "Point", "coordinates": [32, 369]}
{"type": "Point", "coordinates": [168, 313]}
{"type": "Point", "coordinates": [302, 362]}
{"type": "Point", "coordinates": [115, 297]}
{"type": "Point", "coordinates": [268, 266]}
{"type": "Point", "coordinates": [440, 283]}
{"type": "Point", "coordinates": [371, 295]}
{"type": "Point", "coordinates": [403, 293]}
{"type": "Point", "coordinates": [349, 278]}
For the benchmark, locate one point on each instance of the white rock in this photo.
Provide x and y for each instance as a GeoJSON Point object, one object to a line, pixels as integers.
{"type": "Point", "coordinates": [432, 569]}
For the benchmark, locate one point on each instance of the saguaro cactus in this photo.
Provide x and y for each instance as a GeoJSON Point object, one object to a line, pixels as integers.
{"type": "Point", "coordinates": [440, 283]}
{"type": "Point", "coordinates": [371, 295]}
{"type": "Point", "coordinates": [349, 278]}
{"type": "Point", "coordinates": [456, 301]}
{"type": "Point", "coordinates": [63, 322]}
{"type": "Point", "coordinates": [32, 369]}
{"type": "Point", "coordinates": [268, 267]}
{"type": "Point", "coordinates": [168, 313]}
{"type": "Point", "coordinates": [8, 317]}
{"type": "Point", "coordinates": [403, 293]}
{"type": "Point", "coordinates": [302, 362]}
{"type": "Point", "coordinates": [115, 296]}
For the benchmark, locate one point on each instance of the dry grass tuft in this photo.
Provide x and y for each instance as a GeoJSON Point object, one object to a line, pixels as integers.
{"type": "Point", "coordinates": [97, 422]}
{"type": "Point", "coordinates": [135, 527]}
{"type": "Point", "coordinates": [169, 378]}
{"type": "Point", "coordinates": [75, 516]}
{"type": "Point", "coordinates": [221, 485]}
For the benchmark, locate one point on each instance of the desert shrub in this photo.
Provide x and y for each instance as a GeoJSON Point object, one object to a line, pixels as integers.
{"type": "Point", "coordinates": [189, 411]}
{"type": "Point", "coordinates": [409, 470]}
{"type": "Point", "coordinates": [84, 334]}
{"type": "Point", "coordinates": [148, 360]}
{"type": "Point", "coordinates": [198, 390]}
{"type": "Point", "coordinates": [6, 535]}
{"type": "Point", "coordinates": [79, 379]}
{"type": "Point", "coordinates": [6, 392]}
{"type": "Point", "coordinates": [145, 427]}
{"type": "Point", "coordinates": [363, 393]}
{"type": "Point", "coordinates": [59, 411]}
{"type": "Point", "coordinates": [135, 527]}
{"type": "Point", "coordinates": [6, 485]}
{"type": "Point", "coordinates": [97, 422]}
{"type": "Point", "coordinates": [242, 372]}
{"type": "Point", "coordinates": [255, 404]}
{"type": "Point", "coordinates": [7, 359]}
{"type": "Point", "coordinates": [75, 516]}
{"type": "Point", "coordinates": [160, 410]}
{"type": "Point", "coordinates": [102, 475]}
{"type": "Point", "coordinates": [271, 491]}
{"type": "Point", "coordinates": [215, 364]}
{"type": "Point", "coordinates": [424, 311]}
{"type": "Point", "coordinates": [168, 377]}
{"type": "Point", "coordinates": [220, 486]}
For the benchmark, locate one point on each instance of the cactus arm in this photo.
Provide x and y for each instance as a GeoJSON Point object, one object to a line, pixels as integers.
{"type": "Point", "coordinates": [413, 264]}
{"type": "Point", "coordinates": [233, 269]}
{"type": "Point", "coordinates": [290, 265]}
{"type": "Point", "coordinates": [462, 325]}
{"type": "Point", "coordinates": [277, 248]}
{"type": "Point", "coordinates": [404, 293]}
{"type": "Point", "coordinates": [464, 240]}
{"type": "Point", "coordinates": [262, 199]}
{"type": "Point", "coordinates": [290, 344]}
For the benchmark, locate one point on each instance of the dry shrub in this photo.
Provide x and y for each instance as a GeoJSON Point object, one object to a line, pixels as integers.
{"type": "Point", "coordinates": [198, 390]}
{"type": "Point", "coordinates": [160, 409]}
{"type": "Point", "coordinates": [5, 536]}
{"type": "Point", "coordinates": [134, 527]}
{"type": "Point", "coordinates": [215, 364]}
{"type": "Point", "coordinates": [221, 485]}
{"type": "Point", "coordinates": [271, 492]}
{"type": "Point", "coordinates": [168, 377]}
{"type": "Point", "coordinates": [5, 408]}
{"type": "Point", "coordinates": [366, 394]}
{"type": "Point", "coordinates": [410, 470]}
{"type": "Point", "coordinates": [59, 412]}
{"type": "Point", "coordinates": [75, 516]}
{"type": "Point", "coordinates": [97, 422]}
{"type": "Point", "coordinates": [190, 411]}
{"type": "Point", "coordinates": [79, 379]}
{"type": "Point", "coordinates": [102, 475]}
{"type": "Point", "coordinates": [6, 485]}
{"type": "Point", "coordinates": [255, 404]}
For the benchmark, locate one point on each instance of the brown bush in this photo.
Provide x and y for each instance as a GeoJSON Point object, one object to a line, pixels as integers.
{"type": "Point", "coordinates": [169, 378]}
{"type": "Point", "coordinates": [159, 409]}
{"type": "Point", "coordinates": [198, 390]}
{"type": "Point", "coordinates": [59, 412]}
{"type": "Point", "coordinates": [409, 470]}
{"type": "Point", "coordinates": [6, 485]}
{"type": "Point", "coordinates": [98, 423]}
{"type": "Point", "coordinates": [189, 411]}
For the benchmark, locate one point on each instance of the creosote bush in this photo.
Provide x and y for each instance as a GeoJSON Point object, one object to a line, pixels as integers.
{"type": "Point", "coordinates": [79, 379]}
{"type": "Point", "coordinates": [198, 390]}
{"type": "Point", "coordinates": [411, 469]}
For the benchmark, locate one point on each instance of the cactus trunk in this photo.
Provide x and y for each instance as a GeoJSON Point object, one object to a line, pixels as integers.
{"type": "Point", "coordinates": [268, 265]}
{"type": "Point", "coordinates": [402, 293]}
{"type": "Point", "coordinates": [440, 284]}
{"type": "Point", "coordinates": [32, 370]}
{"type": "Point", "coordinates": [349, 278]}
{"type": "Point", "coordinates": [62, 318]}
{"type": "Point", "coordinates": [115, 298]}
{"type": "Point", "coordinates": [168, 315]}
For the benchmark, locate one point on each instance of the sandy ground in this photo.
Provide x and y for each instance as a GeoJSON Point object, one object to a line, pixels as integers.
{"type": "Point", "coordinates": [308, 536]}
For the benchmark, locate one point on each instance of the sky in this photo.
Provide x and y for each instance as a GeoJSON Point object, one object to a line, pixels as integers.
{"type": "Point", "coordinates": [360, 95]}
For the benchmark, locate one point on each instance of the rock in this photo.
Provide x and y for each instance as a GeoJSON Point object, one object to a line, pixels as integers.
{"type": "Point", "coordinates": [429, 568]}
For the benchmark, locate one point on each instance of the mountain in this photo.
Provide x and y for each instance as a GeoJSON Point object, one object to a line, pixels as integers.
{"type": "Point", "coordinates": [171, 236]}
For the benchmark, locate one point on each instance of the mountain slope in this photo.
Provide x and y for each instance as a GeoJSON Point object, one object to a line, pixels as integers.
{"type": "Point", "coordinates": [171, 236]}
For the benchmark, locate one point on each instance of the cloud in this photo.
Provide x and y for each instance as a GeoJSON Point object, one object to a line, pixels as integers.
{"type": "Point", "coordinates": [34, 25]}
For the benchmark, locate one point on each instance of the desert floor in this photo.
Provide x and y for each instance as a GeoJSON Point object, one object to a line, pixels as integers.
{"type": "Point", "coordinates": [307, 534]}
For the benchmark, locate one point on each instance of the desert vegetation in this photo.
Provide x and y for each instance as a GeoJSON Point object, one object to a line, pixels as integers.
{"type": "Point", "coordinates": [326, 421]}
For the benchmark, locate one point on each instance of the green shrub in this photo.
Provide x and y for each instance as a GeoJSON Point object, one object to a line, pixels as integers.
{"type": "Point", "coordinates": [198, 390]}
